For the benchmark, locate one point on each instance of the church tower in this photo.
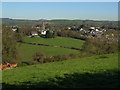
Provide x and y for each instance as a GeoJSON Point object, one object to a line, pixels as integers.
{"type": "Point", "coordinates": [43, 25]}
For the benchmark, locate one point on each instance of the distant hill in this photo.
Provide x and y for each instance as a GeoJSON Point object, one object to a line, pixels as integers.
{"type": "Point", "coordinates": [61, 21]}
{"type": "Point", "coordinates": [9, 21]}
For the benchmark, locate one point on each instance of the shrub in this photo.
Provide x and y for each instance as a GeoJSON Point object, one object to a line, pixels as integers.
{"type": "Point", "coordinates": [72, 34]}
{"type": "Point", "coordinates": [39, 57]}
{"type": "Point", "coordinates": [49, 59]}
{"type": "Point", "coordinates": [98, 46]}
{"type": "Point", "coordinates": [57, 58]}
{"type": "Point", "coordinates": [71, 55]}
{"type": "Point", "coordinates": [49, 34]}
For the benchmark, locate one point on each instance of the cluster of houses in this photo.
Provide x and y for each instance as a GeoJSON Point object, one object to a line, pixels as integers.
{"type": "Point", "coordinates": [38, 30]}
{"type": "Point", "coordinates": [90, 32]}
{"type": "Point", "coordinates": [94, 32]}
{"type": "Point", "coordinates": [36, 33]}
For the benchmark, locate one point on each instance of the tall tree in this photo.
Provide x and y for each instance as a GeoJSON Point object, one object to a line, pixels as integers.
{"type": "Point", "coordinates": [9, 44]}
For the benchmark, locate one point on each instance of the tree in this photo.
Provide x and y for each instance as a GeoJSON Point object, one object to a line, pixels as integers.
{"type": "Point", "coordinates": [9, 50]}
{"type": "Point", "coordinates": [49, 34]}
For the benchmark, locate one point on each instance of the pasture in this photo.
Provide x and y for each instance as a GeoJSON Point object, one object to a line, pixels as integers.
{"type": "Point", "coordinates": [58, 41]}
{"type": "Point", "coordinates": [26, 51]}
{"type": "Point", "coordinates": [90, 72]}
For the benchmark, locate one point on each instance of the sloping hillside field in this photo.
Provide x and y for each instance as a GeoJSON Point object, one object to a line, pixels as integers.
{"type": "Point", "coordinates": [26, 51]}
{"type": "Point", "coordinates": [55, 46]}
{"type": "Point", "coordinates": [96, 71]}
{"type": "Point", "coordinates": [58, 41]}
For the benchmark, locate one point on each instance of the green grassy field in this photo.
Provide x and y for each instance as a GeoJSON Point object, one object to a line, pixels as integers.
{"type": "Point", "coordinates": [96, 71]}
{"type": "Point", "coordinates": [26, 51]}
{"type": "Point", "coordinates": [58, 41]}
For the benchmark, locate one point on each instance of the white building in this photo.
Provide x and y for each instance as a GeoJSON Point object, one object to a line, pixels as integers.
{"type": "Point", "coordinates": [43, 32]}
{"type": "Point", "coordinates": [92, 28]}
{"type": "Point", "coordinates": [69, 28]}
{"type": "Point", "coordinates": [81, 29]}
{"type": "Point", "coordinates": [96, 30]}
{"type": "Point", "coordinates": [14, 29]}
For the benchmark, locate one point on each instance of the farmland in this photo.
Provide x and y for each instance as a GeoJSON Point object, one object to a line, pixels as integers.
{"type": "Point", "coordinates": [27, 51]}
{"type": "Point", "coordinates": [96, 71]}
{"type": "Point", "coordinates": [59, 45]}
{"type": "Point", "coordinates": [58, 41]}
{"type": "Point", "coordinates": [63, 61]}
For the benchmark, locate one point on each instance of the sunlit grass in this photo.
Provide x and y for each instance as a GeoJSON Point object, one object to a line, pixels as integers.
{"type": "Point", "coordinates": [58, 41]}
{"type": "Point", "coordinates": [41, 72]}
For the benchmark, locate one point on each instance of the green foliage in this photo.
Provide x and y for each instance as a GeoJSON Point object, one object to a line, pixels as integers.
{"type": "Point", "coordinates": [9, 52]}
{"type": "Point", "coordinates": [100, 46]}
{"type": "Point", "coordinates": [59, 57]}
{"type": "Point", "coordinates": [49, 34]}
{"type": "Point", "coordinates": [71, 33]}
{"type": "Point", "coordinates": [39, 57]}
{"type": "Point", "coordinates": [42, 58]}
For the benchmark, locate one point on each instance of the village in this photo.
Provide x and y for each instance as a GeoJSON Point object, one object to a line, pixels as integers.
{"type": "Point", "coordinates": [59, 45]}
{"type": "Point", "coordinates": [83, 30]}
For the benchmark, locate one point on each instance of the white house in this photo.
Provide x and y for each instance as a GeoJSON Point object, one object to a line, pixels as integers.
{"type": "Point", "coordinates": [96, 30]}
{"type": "Point", "coordinates": [81, 29]}
{"type": "Point", "coordinates": [69, 28]}
{"type": "Point", "coordinates": [14, 29]}
{"type": "Point", "coordinates": [43, 32]}
{"type": "Point", "coordinates": [92, 28]}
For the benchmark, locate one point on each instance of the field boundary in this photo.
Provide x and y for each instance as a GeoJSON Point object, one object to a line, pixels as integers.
{"type": "Point", "coordinates": [49, 45]}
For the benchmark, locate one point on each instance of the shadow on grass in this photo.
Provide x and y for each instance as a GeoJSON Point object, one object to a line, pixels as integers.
{"type": "Point", "coordinates": [107, 79]}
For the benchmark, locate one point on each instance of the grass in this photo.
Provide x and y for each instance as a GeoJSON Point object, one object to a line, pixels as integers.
{"type": "Point", "coordinates": [58, 41]}
{"type": "Point", "coordinates": [26, 51]}
{"type": "Point", "coordinates": [96, 71]}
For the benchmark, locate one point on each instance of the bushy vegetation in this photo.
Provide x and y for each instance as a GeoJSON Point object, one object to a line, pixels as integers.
{"type": "Point", "coordinates": [49, 34]}
{"type": "Point", "coordinates": [72, 34]}
{"type": "Point", "coordinates": [39, 57]}
{"type": "Point", "coordinates": [42, 58]}
{"type": "Point", "coordinates": [9, 44]}
{"type": "Point", "coordinates": [97, 46]}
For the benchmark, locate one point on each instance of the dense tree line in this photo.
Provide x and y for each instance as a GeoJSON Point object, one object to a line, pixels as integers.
{"type": "Point", "coordinates": [70, 33]}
